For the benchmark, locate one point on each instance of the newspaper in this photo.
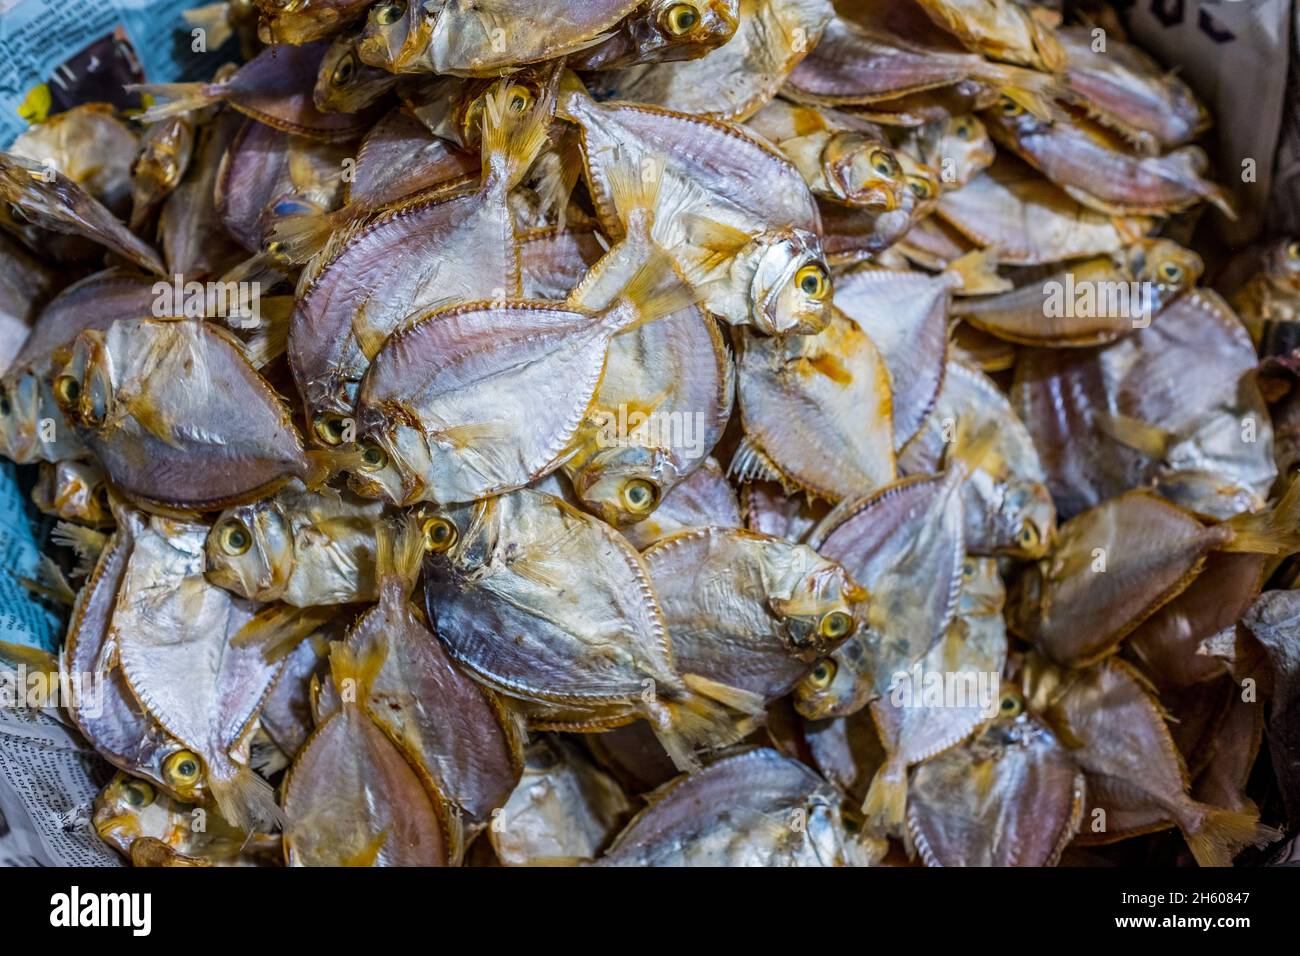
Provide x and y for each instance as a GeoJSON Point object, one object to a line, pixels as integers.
{"type": "Point", "coordinates": [1236, 56]}
{"type": "Point", "coordinates": [57, 53]}
{"type": "Point", "coordinates": [49, 777]}
{"type": "Point", "coordinates": [24, 621]}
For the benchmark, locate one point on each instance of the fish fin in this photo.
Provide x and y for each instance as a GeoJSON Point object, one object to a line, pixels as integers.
{"type": "Point", "coordinates": [1151, 440]}
{"type": "Point", "coordinates": [1275, 530]}
{"type": "Point", "coordinates": [246, 801]}
{"type": "Point", "coordinates": [976, 449]}
{"type": "Point", "coordinates": [473, 433]}
{"type": "Point", "coordinates": [1028, 88]}
{"type": "Point", "coordinates": [655, 291]}
{"type": "Point", "coordinates": [747, 702]}
{"type": "Point", "coordinates": [697, 722]}
{"type": "Point", "coordinates": [751, 463]}
{"type": "Point", "coordinates": [1192, 162]}
{"type": "Point", "coordinates": [87, 543]}
{"type": "Point", "coordinates": [176, 98]}
{"type": "Point", "coordinates": [280, 628]}
{"type": "Point", "coordinates": [348, 668]}
{"type": "Point", "coordinates": [1223, 834]}
{"type": "Point", "coordinates": [35, 660]}
{"type": "Point", "coordinates": [151, 418]}
{"type": "Point", "coordinates": [399, 553]}
{"type": "Point", "coordinates": [303, 234]}
{"type": "Point", "coordinates": [50, 582]}
{"type": "Point", "coordinates": [270, 339]}
{"type": "Point", "coordinates": [512, 142]}
{"type": "Point", "coordinates": [977, 271]}
{"type": "Point", "coordinates": [340, 238]}
{"type": "Point", "coordinates": [718, 240]}
{"type": "Point", "coordinates": [569, 92]}
{"type": "Point", "coordinates": [886, 804]}
{"type": "Point", "coordinates": [324, 463]}
{"type": "Point", "coordinates": [634, 190]}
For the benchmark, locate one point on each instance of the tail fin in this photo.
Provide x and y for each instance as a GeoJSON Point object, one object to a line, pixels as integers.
{"type": "Point", "coordinates": [324, 463]}
{"type": "Point", "coordinates": [354, 673]}
{"type": "Point", "coordinates": [655, 291]}
{"type": "Point", "coordinates": [886, 804]}
{"type": "Point", "coordinates": [1222, 834]}
{"type": "Point", "coordinates": [696, 722]}
{"type": "Point", "coordinates": [634, 191]}
{"type": "Point", "coordinates": [298, 236]}
{"type": "Point", "coordinates": [281, 627]}
{"type": "Point", "coordinates": [1151, 440]}
{"type": "Point", "coordinates": [245, 799]}
{"type": "Point", "coordinates": [1275, 530]}
{"type": "Point", "coordinates": [177, 98]}
{"type": "Point", "coordinates": [511, 141]}
{"type": "Point", "coordinates": [978, 272]}
{"type": "Point", "coordinates": [271, 337]}
{"type": "Point", "coordinates": [399, 554]}
{"type": "Point", "coordinates": [747, 702]}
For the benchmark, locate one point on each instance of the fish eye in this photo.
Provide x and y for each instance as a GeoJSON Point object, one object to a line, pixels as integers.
{"type": "Point", "coordinates": [67, 390]}
{"type": "Point", "coordinates": [138, 793]}
{"type": "Point", "coordinates": [1009, 107]}
{"type": "Point", "coordinates": [961, 128]}
{"type": "Point", "coordinates": [330, 429]}
{"type": "Point", "coordinates": [836, 624]}
{"type": "Point", "coordinates": [681, 19]}
{"type": "Point", "coordinates": [920, 187]}
{"type": "Point", "coordinates": [1010, 705]}
{"type": "Point", "coordinates": [389, 13]}
{"type": "Point", "coordinates": [1029, 536]}
{"type": "Point", "coordinates": [439, 534]}
{"type": "Point", "coordinates": [1170, 271]}
{"type": "Point", "coordinates": [519, 98]}
{"type": "Point", "coordinates": [813, 281]}
{"type": "Point", "coordinates": [1293, 250]}
{"type": "Point", "coordinates": [640, 495]}
{"type": "Point", "coordinates": [968, 569]}
{"type": "Point", "coordinates": [883, 163]}
{"type": "Point", "coordinates": [822, 674]}
{"type": "Point", "coordinates": [234, 538]}
{"type": "Point", "coordinates": [181, 770]}
{"type": "Point", "coordinates": [345, 71]}
{"type": "Point", "coordinates": [100, 495]}
{"type": "Point", "coordinates": [373, 458]}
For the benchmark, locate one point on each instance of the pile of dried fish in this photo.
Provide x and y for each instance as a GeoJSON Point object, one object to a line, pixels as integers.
{"type": "Point", "coordinates": [659, 432]}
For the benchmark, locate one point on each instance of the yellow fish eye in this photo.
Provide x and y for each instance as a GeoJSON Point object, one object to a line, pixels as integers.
{"type": "Point", "coordinates": [182, 769]}
{"type": "Point", "coordinates": [1029, 536]}
{"type": "Point", "coordinates": [835, 625]}
{"type": "Point", "coordinates": [330, 429]}
{"type": "Point", "coordinates": [968, 569]}
{"type": "Point", "coordinates": [439, 534]}
{"type": "Point", "coordinates": [234, 538]}
{"type": "Point", "coordinates": [1170, 271]}
{"type": "Point", "coordinates": [822, 674]}
{"type": "Point", "coordinates": [373, 458]}
{"type": "Point", "coordinates": [67, 390]}
{"type": "Point", "coordinates": [389, 13]}
{"type": "Point", "coordinates": [883, 163]}
{"type": "Point", "coordinates": [344, 71]}
{"type": "Point", "coordinates": [640, 495]}
{"type": "Point", "coordinates": [681, 19]}
{"type": "Point", "coordinates": [1293, 250]}
{"type": "Point", "coordinates": [813, 281]}
{"type": "Point", "coordinates": [138, 793]}
{"type": "Point", "coordinates": [1010, 107]}
{"type": "Point", "coordinates": [961, 128]}
{"type": "Point", "coordinates": [920, 187]}
{"type": "Point", "coordinates": [1010, 705]}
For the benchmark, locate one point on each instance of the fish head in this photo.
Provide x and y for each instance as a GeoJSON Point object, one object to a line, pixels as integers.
{"type": "Point", "coordinates": [250, 551]}
{"type": "Point", "coordinates": [1283, 263]}
{"type": "Point", "coordinates": [83, 386]}
{"type": "Point", "coordinates": [392, 34]}
{"type": "Point", "coordinates": [1025, 520]}
{"type": "Point", "coordinates": [684, 29]}
{"type": "Point", "coordinates": [129, 808]}
{"type": "Point", "coordinates": [74, 491]}
{"type": "Point", "coordinates": [394, 460]}
{"type": "Point", "coordinates": [458, 536]}
{"type": "Point", "coordinates": [863, 171]}
{"type": "Point", "coordinates": [923, 186]}
{"type": "Point", "coordinates": [1169, 267]}
{"type": "Point", "coordinates": [790, 292]}
{"type": "Point", "coordinates": [819, 605]}
{"type": "Point", "coordinates": [1014, 119]}
{"type": "Point", "coordinates": [345, 84]}
{"type": "Point", "coordinates": [837, 685]}
{"type": "Point", "coordinates": [159, 162]}
{"type": "Point", "coordinates": [22, 398]}
{"type": "Point", "coordinates": [624, 485]}
{"type": "Point", "coordinates": [518, 93]}
{"type": "Point", "coordinates": [967, 142]}
{"type": "Point", "coordinates": [982, 592]}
